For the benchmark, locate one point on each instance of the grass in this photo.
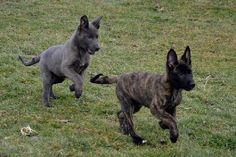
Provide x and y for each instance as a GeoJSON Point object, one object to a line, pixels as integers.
{"type": "Point", "coordinates": [135, 36]}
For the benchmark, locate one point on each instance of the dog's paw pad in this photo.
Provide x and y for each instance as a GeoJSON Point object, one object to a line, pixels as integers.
{"type": "Point", "coordinates": [144, 141]}
{"type": "Point", "coordinates": [139, 141]}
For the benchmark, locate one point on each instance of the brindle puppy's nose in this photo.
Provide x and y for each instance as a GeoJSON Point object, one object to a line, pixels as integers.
{"type": "Point", "coordinates": [192, 84]}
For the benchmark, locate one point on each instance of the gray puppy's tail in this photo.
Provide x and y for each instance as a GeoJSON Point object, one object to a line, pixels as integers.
{"type": "Point", "coordinates": [34, 60]}
{"type": "Point", "coordinates": [103, 79]}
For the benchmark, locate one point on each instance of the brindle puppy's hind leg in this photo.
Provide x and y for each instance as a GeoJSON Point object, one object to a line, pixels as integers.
{"type": "Point", "coordinates": [123, 121]}
{"type": "Point", "coordinates": [136, 138]}
{"type": "Point", "coordinates": [126, 120]}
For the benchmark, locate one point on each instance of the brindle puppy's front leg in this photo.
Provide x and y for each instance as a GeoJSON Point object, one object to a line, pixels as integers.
{"type": "Point", "coordinates": [76, 78]}
{"type": "Point", "coordinates": [167, 119]}
{"type": "Point", "coordinates": [171, 111]}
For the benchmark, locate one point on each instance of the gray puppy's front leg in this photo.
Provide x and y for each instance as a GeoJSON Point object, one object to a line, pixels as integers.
{"type": "Point", "coordinates": [76, 78]}
{"type": "Point", "coordinates": [72, 87]}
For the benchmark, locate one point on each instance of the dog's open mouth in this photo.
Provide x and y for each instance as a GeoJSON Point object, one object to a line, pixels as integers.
{"type": "Point", "coordinates": [90, 51]}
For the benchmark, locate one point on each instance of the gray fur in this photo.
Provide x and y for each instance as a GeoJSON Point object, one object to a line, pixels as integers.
{"type": "Point", "coordinates": [69, 60]}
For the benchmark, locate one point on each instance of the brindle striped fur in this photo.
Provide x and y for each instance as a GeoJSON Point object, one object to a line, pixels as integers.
{"type": "Point", "coordinates": [160, 93]}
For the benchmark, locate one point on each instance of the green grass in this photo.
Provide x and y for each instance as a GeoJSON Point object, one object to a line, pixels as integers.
{"type": "Point", "coordinates": [135, 36]}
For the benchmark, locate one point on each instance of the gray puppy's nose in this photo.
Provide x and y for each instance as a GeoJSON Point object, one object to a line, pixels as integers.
{"type": "Point", "coordinates": [97, 48]}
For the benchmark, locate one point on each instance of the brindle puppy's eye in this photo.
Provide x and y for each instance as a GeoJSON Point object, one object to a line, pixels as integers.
{"type": "Point", "coordinates": [96, 36]}
{"type": "Point", "coordinates": [182, 74]}
{"type": "Point", "coordinates": [189, 71]}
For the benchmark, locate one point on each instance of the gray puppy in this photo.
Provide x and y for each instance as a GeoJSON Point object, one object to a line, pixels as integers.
{"type": "Point", "coordinates": [69, 60]}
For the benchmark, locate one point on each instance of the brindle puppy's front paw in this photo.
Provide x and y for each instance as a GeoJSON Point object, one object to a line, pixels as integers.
{"type": "Point", "coordinates": [139, 141]}
{"type": "Point", "coordinates": [163, 126]}
{"type": "Point", "coordinates": [173, 138]}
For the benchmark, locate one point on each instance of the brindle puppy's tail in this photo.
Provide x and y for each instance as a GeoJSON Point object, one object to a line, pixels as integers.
{"type": "Point", "coordinates": [100, 79]}
{"type": "Point", "coordinates": [34, 60]}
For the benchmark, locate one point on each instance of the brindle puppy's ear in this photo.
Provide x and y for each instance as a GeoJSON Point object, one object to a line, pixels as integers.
{"type": "Point", "coordinates": [84, 23]}
{"type": "Point", "coordinates": [187, 56]}
{"type": "Point", "coordinates": [96, 22]}
{"type": "Point", "coordinates": [172, 59]}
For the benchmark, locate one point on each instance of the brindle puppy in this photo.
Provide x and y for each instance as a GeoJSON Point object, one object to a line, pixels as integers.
{"type": "Point", "coordinates": [160, 93]}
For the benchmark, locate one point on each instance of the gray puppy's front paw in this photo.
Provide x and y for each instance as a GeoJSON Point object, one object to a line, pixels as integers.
{"type": "Point", "coordinates": [78, 93]}
{"type": "Point", "coordinates": [72, 87]}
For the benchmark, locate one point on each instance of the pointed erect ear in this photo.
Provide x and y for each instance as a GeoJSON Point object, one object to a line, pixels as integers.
{"type": "Point", "coordinates": [172, 59]}
{"type": "Point", "coordinates": [96, 22]}
{"type": "Point", "coordinates": [84, 23]}
{"type": "Point", "coordinates": [187, 56]}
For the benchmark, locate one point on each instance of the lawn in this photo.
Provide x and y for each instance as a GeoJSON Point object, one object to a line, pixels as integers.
{"type": "Point", "coordinates": [135, 35]}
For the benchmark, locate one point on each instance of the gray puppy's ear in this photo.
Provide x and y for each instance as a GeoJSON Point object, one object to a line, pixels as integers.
{"type": "Point", "coordinates": [96, 22]}
{"type": "Point", "coordinates": [186, 57]}
{"type": "Point", "coordinates": [84, 23]}
{"type": "Point", "coordinates": [172, 59]}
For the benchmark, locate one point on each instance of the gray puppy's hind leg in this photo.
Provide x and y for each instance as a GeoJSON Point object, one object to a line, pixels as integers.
{"type": "Point", "coordinates": [55, 80]}
{"type": "Point", "coordinates": [52, 95]}
{"type": "Point", "coordinates": [47, 87]}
